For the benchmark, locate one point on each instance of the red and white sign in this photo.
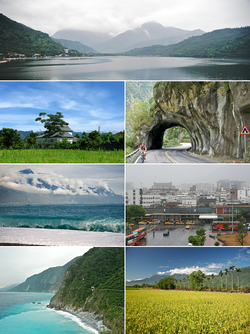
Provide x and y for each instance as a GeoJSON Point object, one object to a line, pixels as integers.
{"type": "Point", "coordinates": [245, 131]}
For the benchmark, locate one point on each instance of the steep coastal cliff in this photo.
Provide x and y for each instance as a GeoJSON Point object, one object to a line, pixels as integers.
{"type": "Point", "coordinates": [95, 283]}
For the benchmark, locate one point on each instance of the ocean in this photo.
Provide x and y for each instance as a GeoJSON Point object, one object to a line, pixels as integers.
{"type": "Point", "coordinates": [26, 313]}
{"type": "Point", "coordinates": [95, 218]}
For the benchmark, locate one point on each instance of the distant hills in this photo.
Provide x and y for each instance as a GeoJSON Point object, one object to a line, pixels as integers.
{"type": "Point", "coordinates": [47, 281]}
{"type": "Point", "coordinates": [151, 33]}
{"type": "Point", "coordinates": [149, 39]}
{"type": "Point", "coordinates": [95, 283]}
{"type": "Point", "coordinates": [224, 43]}
{"type": "Point", "coordinates": [244, 278]}
{"type": "Point", "coordinates": [17, 38]}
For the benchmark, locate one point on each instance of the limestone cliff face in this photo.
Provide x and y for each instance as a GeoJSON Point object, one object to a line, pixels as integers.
{"type": "Point", "coordinates": [212, 112]}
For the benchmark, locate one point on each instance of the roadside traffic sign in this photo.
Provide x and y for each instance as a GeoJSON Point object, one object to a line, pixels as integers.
{"type": "Point", "coordinates": [245, 131]}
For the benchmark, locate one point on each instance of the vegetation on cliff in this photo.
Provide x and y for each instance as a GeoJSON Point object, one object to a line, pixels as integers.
{"type": "Point", "coordinates": [224, 43]}
{"type": "Point", "coordinates": [95, 283]}
{"type": "Point", "coordinates": [17, 38]}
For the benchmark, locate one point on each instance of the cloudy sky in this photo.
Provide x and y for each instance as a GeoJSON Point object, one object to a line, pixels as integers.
{"type": "Point", "coordinates": [114, 16]}
{"type": "Point", "coordinates": [69, 178]}
{"type": "Point", "coordinates": [84, 105]}
{"type": "Point", "coordinates": [181, 173]}
{"type": "Point", "coordinates": [144, 262]}
{"type": "Point", "coordinates": [19, 263]}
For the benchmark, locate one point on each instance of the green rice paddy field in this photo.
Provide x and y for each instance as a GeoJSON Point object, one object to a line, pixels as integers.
{"type": "Point", "coordinates": [158, 311]}
{"type": "Point", "coordinates": [60, 156]}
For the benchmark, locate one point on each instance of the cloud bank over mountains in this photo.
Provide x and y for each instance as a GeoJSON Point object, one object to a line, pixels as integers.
{"type": "Point", "coordinates": [44, 186]}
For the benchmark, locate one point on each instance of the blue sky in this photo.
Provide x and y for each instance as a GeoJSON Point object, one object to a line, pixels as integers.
{"type": "Point", "coordinates": [144, 262]}
{"type": "Point", "coordinates": [84, 105]}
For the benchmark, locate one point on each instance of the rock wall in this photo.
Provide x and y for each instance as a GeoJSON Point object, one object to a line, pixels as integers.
{"type": "Point", "coordinates": [212, 112]}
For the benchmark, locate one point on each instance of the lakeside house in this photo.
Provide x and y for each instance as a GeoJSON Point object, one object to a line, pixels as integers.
{"type": "Point", "coordinates": [57, 137]}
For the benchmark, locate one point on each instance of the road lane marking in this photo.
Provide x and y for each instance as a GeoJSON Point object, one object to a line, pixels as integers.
{"type": "Point", "coordinates": [171, 159]}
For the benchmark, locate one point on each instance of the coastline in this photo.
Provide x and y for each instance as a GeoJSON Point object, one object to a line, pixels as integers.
{"type": "Point", "coordinates": [87, 320]}
{"type": "Point", "coordinates": [16, 236]}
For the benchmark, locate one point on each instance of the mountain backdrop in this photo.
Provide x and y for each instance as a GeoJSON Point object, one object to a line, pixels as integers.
{"type": "Point", "coordinates": [47, 281]}
{"type": "Point", "coordinates": [224, 43]}
{"type": "Point", "coordinates": [95, 283]}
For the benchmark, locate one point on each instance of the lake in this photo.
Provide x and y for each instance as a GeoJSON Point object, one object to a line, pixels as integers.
{"type": "Point", "coordinates": [126, 68]}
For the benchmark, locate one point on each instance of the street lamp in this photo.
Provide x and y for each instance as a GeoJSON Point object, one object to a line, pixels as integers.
{"type": "Point", "coordinates": [232, 192]}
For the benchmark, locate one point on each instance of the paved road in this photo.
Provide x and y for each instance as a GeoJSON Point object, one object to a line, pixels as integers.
{"type": "Point", "coordinates": [178, 235]}
{"type": "Point", "coordinates": [172, 155]}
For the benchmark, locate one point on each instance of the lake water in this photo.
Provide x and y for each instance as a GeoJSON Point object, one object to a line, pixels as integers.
{"type": "Point", "coordinates": [126, 68]}
{"type": "Point", "coordinates": [99, 218]}
{"type": "Point", "coordinates": [23, 313]}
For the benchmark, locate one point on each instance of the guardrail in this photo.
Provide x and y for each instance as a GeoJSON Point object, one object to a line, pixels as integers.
{"type": "Point", "coordinates": [131, 157]}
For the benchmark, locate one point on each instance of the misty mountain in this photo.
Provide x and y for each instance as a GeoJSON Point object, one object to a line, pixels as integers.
{"type": "Point", "coordinates": [47, 281]}
{"type": "Point", "coordinates": [75, 45]}
{"type": "Point", "coordinates": [153, 279]}
{"type": "Point", "coordinates": [83, 36]}
{"type": "Point", "coordinates": [151, 33]}
{"type": "Point", "coordinates": [18, 38]}
{"type": "Point", "coordinates": [223, 43]}
{"type": "Point", "coordinates": [28, 187]}
{"type": "Point", "coordinates": [8, 287]}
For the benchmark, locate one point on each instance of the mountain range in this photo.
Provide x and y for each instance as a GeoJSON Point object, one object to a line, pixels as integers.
{"type": "Point", "coordinates": [47, 281]}
{"type": "Point", "coordinates": [244, 278]}
{"type": "Point", "coordinates": [148, 34]}
{"type": "Point", "coordinates": [48, 188]}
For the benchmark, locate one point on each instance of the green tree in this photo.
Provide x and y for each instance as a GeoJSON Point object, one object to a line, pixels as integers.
{"type": "Point", "coordinates": [52, 123]}
{"type": "Point", "coordinates": [9, 138]}
{"type": "Point", "coordinates": [231, 268]}
{"type": "Point", "coordinates": [221, 274]}
{"type": "Point", "coordinates": [196, 279]}
{"type": "Point", "coordinates": [31, 138]}
{"type": "Point", "coordinates": [238, 270]}
{"type": "Point", "coordinates": [226, 271]}
{"type": "Point", "coordinates": [241, 234]}
{"type": "Point", "coordinates": [167, 283]}
{"type": "Point", "coordinates": [134, 211]}
{"type": "Point", "coordinates": [212, 278]}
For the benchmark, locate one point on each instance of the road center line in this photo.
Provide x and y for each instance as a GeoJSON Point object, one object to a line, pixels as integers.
{"type": "Point", "coordinates": [171, 159]}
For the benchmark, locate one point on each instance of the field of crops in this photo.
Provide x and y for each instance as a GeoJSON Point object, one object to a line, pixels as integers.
{"type": "Point", "coordinates": [60, 156]}
{"type": "Point", "coordinates": [158, 311]}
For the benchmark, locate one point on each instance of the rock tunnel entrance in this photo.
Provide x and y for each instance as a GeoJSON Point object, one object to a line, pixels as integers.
{"type": "Point", "coordinates": [160, 131]}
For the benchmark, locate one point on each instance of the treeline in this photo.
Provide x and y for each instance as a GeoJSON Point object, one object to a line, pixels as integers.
{"type": "Point", "coordinates": [10, 139]}
{"type": "Point", "coordinates": [224, 43]}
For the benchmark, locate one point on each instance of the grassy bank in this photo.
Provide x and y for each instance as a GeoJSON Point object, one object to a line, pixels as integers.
{"type": "Point", "coordinates": [60, 156]}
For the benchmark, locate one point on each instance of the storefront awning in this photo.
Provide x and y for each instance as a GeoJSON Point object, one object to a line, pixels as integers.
{"type": "Point", "coordinates": [208, 216]}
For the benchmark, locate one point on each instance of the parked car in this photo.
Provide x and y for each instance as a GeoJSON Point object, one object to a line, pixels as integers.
{"type": "Point", "coordinates": [166, 232]}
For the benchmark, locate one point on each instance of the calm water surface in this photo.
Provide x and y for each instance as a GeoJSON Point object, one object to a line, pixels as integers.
{"type": "Point", "coordinates": [126, 68]}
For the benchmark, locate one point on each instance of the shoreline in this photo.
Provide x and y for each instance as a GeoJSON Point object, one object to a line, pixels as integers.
{"type": "Point", "coordinates": [87, 320]}
{"type": "Point", "coordinates": [16, 236]}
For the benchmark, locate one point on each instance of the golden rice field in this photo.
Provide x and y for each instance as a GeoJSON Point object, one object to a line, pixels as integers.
{"type": "Point", "coordinates": [157, 311]}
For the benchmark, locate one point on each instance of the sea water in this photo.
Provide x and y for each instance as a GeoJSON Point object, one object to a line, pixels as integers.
{"type": "Point", "coordinates": [99, 218]}
{"type": "Point", "coordinates": [26, 313]}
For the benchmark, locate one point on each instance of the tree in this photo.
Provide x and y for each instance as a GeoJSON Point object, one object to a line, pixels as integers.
{"type": "Point", "coordinates": [231, 268]}
{"type": "Point", "coordinates": [196, 279]}
{"type": "Point", "coordinates": [52, 123]}
{"type": "Point", "coordinates": [238, 270]}
{"type": "Point", "coordinates": [221, 274]}
{"type": "Point", "coordinates": [167, 283]}
{"type": "Point", "coordinates": [212, 277]}
{"type": "Point", "coordinates": [226, 271]}
{"type": "Point", "coordinates": [242, 233]}
{"type": "Point", "coordinates": [9, 138]}
{"type": "Point", "coordinates": [134, 211]}
{"type": "Point", "coordinates": [31, 138]}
